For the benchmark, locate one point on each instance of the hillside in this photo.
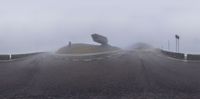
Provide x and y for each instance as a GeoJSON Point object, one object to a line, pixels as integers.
{"type": "Point", "coordinates": [81, 48]}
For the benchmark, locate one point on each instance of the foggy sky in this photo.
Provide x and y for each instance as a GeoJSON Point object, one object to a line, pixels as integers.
{"type": "Point", "coordinates": [46, 25]}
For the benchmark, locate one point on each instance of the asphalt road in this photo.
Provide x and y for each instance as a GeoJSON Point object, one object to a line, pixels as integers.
{"type": "Point", "coordinates": [132, 74]}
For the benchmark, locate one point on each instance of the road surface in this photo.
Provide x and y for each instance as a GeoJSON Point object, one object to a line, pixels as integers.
{"type": "Point", "coordinates": [131, 74]}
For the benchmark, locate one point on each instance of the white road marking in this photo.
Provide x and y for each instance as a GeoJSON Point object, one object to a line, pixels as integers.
{"type": "Point", "coordinates": [3, 61]}
{"type": "Point", "coordinates": [100, 58]}
{"type": "Point", "coordinates": [87, 60]}
{"type": "Point", "coordinates": [90, 54]}
{"type": "Point", "coordinates": [193, 61]}
{"type": "Point", "coordinates": [75, 60]}
{"type": "Point", "coordinates": [109, 56]}
{"type": "Point", "coordinates": [76, 57]}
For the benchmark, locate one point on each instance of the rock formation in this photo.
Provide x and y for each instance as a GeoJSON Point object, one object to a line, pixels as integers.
{"type": "Point", "coordinates": [100, 39]}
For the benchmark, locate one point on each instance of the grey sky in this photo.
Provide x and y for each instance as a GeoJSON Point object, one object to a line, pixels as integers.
{"type": "Point", "coordinates": [45, 25]}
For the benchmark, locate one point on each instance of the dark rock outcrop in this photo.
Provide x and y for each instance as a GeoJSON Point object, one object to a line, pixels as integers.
{"type": "Point", "coordinates": [100, 39]}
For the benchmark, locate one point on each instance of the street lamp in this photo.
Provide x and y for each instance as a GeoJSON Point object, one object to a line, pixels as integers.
{"type": "Point", "coordinates": [177, 42]}
{"type": "Point", "coordinates": [168, 45]}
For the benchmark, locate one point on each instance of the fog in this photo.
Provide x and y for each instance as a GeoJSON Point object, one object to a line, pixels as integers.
{"type": "Point", "coordinates": [46, 25]}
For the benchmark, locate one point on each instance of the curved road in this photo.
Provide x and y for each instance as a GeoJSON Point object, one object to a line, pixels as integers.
{"type": "Point", "coordinates": [133, 74]}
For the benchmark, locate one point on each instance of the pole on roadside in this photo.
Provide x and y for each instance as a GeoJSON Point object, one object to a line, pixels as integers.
{"type": "Point", "coordinates": [177, 42]}
{"type": "Point", "coordinates": [168, 45]}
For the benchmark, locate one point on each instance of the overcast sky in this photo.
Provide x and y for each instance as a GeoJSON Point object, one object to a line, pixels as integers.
{"type": "Point", "coordinates": [45, 25]}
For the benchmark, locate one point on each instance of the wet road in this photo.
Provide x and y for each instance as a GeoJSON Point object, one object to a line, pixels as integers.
{"type": "Point", "coordinates": [138, 74]}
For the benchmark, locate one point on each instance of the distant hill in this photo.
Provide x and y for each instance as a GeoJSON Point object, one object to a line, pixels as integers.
{"type": "Point", "coordinates": [80, 48]}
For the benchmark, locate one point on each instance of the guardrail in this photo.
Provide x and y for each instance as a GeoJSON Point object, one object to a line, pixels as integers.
{"type": "Point", "coordinates": [174, 54]}
{"type": "Point", "coordinates": [16, 56]}
{"type": "Point", "coordinates": [4, 57]}
{"type": "Point", "coordinates": [193, 57]}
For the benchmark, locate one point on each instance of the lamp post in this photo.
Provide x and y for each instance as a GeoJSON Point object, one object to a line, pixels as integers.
{"type": "Point", "coordinates": [168, 45]}
{"type": "Point", "coordinates": [177, 42]}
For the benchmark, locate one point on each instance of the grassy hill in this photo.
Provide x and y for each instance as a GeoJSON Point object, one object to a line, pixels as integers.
{"type": "Point", "coordinates": [81, 48]}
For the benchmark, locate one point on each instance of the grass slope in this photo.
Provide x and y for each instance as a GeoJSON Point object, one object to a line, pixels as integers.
{"type": "Point", "coordinates": [80, 48]}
